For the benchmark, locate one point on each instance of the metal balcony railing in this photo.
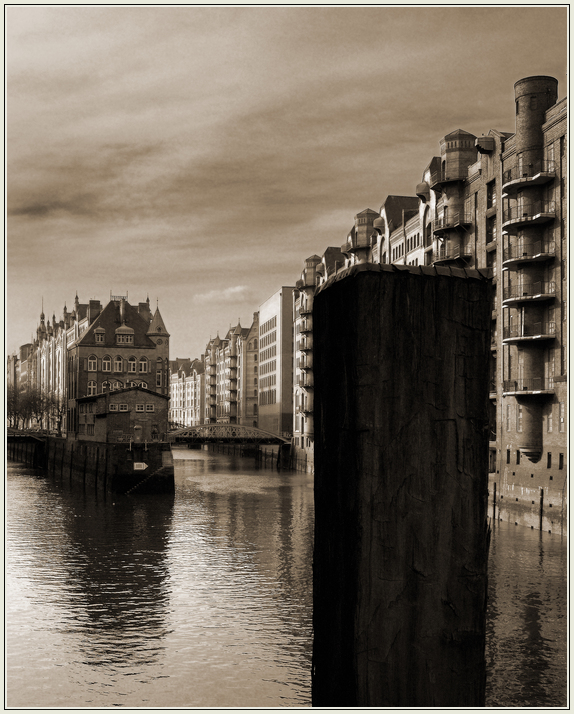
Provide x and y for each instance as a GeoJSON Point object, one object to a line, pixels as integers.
{"type": "Point", "coordinates": [452, 252]}
{"type": "Point", "coordinates": [528, 384]}
{"type": "Point", "coordinates": [526, 251]}
{"type": "Point", "coordinates": [534, 329]}
{"type": "Point", "coordinates": [531, 290]}
{"type": "Point", "coordinates": [440, 177]}
{"type": "Point", "coordinates": [529, 171]}
{"type": "Point", "coordinates": [460, 218]}
{"type": "Point", "coordinates": [530, 211]}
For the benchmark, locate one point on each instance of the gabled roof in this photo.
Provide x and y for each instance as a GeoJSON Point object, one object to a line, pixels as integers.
{"type": "Point", "coordinates": [109, 319]}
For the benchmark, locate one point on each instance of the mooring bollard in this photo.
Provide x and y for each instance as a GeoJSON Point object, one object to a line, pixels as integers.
{"type": "Point", "coordinates": [401, 487]}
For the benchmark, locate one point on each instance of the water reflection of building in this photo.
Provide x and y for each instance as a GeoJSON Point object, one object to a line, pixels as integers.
{"type": "Point", "coordinates": [115, 577]}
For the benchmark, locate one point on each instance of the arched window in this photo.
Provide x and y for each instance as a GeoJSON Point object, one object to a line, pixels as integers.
{"type": "Point", "coordinates": [118, 364]}
{"type": "Point", "coordinates": [117, 385]}
{"type": "Point", "coordinates": [105, 386]}
{"type": "Point", "coordinates": [143, 365]}
{"type": "Point", "coordinates": [92, 387]}
{"type": "Point", "coordinates": [254, 344]}
{"type": "Point", "coordinates": [92, 363]}
{"type": "Point", "coordinates": [143, 384]}
{"type": "Point", "coordinates": [107, 364]}
{"type": "Point", "coordinates": [132, 364]}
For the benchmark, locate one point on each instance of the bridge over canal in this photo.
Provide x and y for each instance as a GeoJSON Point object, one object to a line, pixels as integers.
{"type": "Point", "coordinates": [225, 433]}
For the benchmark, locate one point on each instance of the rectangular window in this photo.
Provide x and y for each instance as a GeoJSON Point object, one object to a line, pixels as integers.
{"type": "Point", "coordinates": [158, 379]}
{"type": "Point", "coordinates": [113, 407]}
{"type": "Point", "coordinates": [549, 420]}
{"type": "Point", "coordinates": [519, 417]}
{"type": "Point", "coordinates": [549, 460]}
{"type": "Point", "coordinates": [508, 418]}
{"type": "Point", "coordinates": [562, 416]}
{"type": "Point", "coordinates": [139, 407]}
{"type": "Point", "coordinates": [149, 407]}
{"type": "Point", "coordinates": [123, 407]}
{"type": "Point", "coordinates": [100, 336]}
{"type": "Point", "coordinates": [90, 429]}
{"type": "Point", "coordinates": [561, 461]}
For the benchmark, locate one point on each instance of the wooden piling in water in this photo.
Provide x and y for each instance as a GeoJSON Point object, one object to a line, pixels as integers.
{"type": "Point", "coordinates": [401, 488]}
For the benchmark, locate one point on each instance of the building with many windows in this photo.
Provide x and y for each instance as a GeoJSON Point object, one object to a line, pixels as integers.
{"type": "Point", "coordinates": [94, 350]}
{"type": "Point", "coordinates": [276, 363]}
{"type": "Point", "coordinates": [499, 202]}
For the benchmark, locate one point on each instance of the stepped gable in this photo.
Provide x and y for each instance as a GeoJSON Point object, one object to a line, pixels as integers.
{"type": "Point", "coordinates": [110, 320]}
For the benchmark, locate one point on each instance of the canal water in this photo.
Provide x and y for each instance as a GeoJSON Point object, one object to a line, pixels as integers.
{"type": "Point", "coordinates": [204, 599]}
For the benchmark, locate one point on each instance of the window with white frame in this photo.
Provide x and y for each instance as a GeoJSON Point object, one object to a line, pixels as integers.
{"type": "Point", "coordinates": [118, 364]}
{"type": "Point", "coordinates": [143, 365]}
{"type": "Point", "coordinates": [123, 407]}
{"type": "Point", "coordinates": [107, 364]}
{"type": "Point", "coordinates": [113, 407]}
{"type": "Point", "coordinates": [139, 408]}
{"type": "Point", "coordinates": [92, 363]}
{"type": "Point", "coordinates": [117, 385]}
{"type": "Point", "coordinates": [100, 334]}
{"type": "Point", "coordinates": [150, 407]}
{"type": "Point", "coordinates": [132, 364]}
{"type": "Point", "coordinates": [105, 386]}
{"type": "Point", "coordinates": [143, 384]}
{"type": "Point", "coordinates": [92, 387]}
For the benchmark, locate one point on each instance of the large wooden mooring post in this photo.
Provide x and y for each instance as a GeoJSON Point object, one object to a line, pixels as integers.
{"type": "Point", "coordinates": [401, 478]}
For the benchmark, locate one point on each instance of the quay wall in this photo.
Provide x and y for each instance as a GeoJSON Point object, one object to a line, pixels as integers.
{"type": "Point", "coordinates": [99, 465]}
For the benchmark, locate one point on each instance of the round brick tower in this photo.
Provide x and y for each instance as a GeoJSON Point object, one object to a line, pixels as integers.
{"type": "Point", "coordinates": [533, 95]}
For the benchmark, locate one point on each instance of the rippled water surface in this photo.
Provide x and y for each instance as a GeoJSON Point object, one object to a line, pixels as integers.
{"type": "Point", "coordinates": [205, 598]}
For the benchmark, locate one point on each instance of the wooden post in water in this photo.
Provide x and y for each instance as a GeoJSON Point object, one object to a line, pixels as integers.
{"type": "Point", "coordinates": [401, 487]}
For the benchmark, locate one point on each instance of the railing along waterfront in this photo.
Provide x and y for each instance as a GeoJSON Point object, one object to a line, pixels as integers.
{"type": "Point", "coordinates": [530, 250]}
{"type": "Point", "coordinates": [530, 330]}
{"type": "Point", "coordinates": [528, 170]}
{"type": "Point", "coordinates": [528, 211]}
{"type": "Point", "coordinates": [530, 290]}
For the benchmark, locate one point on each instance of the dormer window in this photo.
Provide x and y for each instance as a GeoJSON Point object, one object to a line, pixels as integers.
{"type": "Point", "coordinates": [100, 335]}
{"type": "Point", "coordinates": [124, 339]}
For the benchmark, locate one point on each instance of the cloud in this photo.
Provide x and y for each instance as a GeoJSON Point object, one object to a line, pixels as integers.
{"type": "Point", "coordinates": [236, 294]}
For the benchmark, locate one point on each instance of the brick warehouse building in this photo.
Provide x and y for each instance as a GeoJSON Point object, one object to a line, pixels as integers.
{"type": "Point", "coordinates": [499, 202]}
{"type": "Point", "coordinates": [117, 347]}
{"type": "Point", "coordinates": [92, 351]}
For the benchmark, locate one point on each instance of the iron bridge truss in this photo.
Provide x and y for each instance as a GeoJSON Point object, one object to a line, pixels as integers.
{"type": "Point", "coordinates": [238, 433]}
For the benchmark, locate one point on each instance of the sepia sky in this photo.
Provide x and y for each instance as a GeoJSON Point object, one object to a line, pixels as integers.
{"type": "Point", "coordinates": [199, 155]}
